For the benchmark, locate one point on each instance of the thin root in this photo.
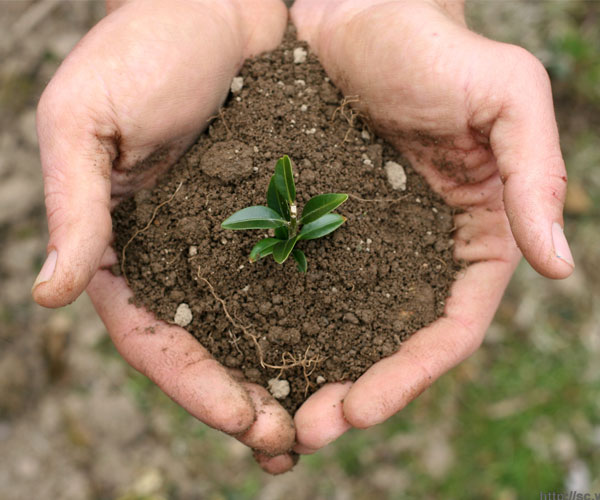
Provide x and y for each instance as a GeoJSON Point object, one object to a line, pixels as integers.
{"type": "Point", "coordinates": [221, 115]}
{"type": "Point", "coordinates": [144, 229]}
{"type": "Point", "coordinates": [378, 200]}
{"type": "Point", "coordinates": [308, 365]}
{"type": "Point", "coordinates": [288, 360]}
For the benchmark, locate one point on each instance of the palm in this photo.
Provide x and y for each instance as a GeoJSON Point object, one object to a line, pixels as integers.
{"type": "Point", "coordinates": [153, 87]}
{"type": "Point", "coordinates": [436, 91]}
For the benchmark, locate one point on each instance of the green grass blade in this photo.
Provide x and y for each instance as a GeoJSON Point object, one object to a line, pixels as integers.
{"type": "Point", "coordinates": [300, 259]}
{"type": "Point", "coordinates": [284, 179]}
{"type": "Point", "coordinates": [257, 217]}
{"type": "Point", "coordinates": [263, 248]}
{"type": "Point", "coordinates": [275, 201]}
{"type": "Point", "coordinates": [282, 250]}
{"type": "Point", "coordinates": [322, 226]}
{"type": "Point", "coordinates": [320, 205]}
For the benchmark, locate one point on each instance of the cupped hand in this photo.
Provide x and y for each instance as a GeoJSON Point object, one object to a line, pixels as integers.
{"type": "Point", "coordinates": [130, 98]}
{"type": "Point", "coordinates": [475, 118]}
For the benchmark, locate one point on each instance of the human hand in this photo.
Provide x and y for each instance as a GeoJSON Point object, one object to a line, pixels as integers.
{"type": "Point", "coordinates": [475, 118]}
{"type": "Point", "coordinates": [124, 105]}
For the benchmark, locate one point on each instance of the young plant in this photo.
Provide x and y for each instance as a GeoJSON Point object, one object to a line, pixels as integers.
{"type": "Point", "coordinates": [281, 214]}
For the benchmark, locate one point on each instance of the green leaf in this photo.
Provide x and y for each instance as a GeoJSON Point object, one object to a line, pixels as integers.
{"type": "Point", "coordinates": [281, 233]}
{"type": "Point", "coordinates": [284, 179]}
{"type": "Point", "coordinates": [276, 202]}
{"type": "Point", "coordinates": [282, 250]}
{"type": "Point", "coordinates": [300, 259]}
{"type": "Point", "coordinates": [263, 248]}
{"type": "Point", "coordinates": [320, 205]}
{"type": "Point", "coordinates": [322, 226]}
{"type": "Point", "coordinates": [257, 217]}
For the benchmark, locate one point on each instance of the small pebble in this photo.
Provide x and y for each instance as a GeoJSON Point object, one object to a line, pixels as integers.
{"type": "Point", "coordinates": [311, 131]}
{"type": "Point", "coordinates": [302, 83]}
{"type": "Point", "coordinates": [395, 175]}
{"type": "Point", "coordinates": [365, 135]}
{"type": "Point", "coordinates": [321, 379]}
{"type": "Point", "coordinates": [193, 250]}
{"type": "Point", "coordinates": [350, 318]}
{"type": "Point", "coordinates": [237, 84]}
{"type": "Point", "coordinates": [279, 388]}
{"type": "Point", "coordinates": [299, 55]}
{"type": "Point", "coordinates": [183, 315]}
{"type": "Point", "coordinates": [303, 108]}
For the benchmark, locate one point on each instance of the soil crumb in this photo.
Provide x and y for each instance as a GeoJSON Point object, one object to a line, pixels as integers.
{"type": "Point", "coordinates": [372, 283]}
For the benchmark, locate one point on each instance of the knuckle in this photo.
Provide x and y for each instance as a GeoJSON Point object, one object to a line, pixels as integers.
{"type": "Point", "coordinates": [528, 66]}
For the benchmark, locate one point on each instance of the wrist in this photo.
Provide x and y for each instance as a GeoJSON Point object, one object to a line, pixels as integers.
{"type": "Point", "coordinates": [259, 23]}
{"type": "Point", "coordinates": [453, 8]}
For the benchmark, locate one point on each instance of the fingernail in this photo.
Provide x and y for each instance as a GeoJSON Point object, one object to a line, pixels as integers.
{"type": "Point", "coordinates": [561, 247]}
{"type": "Point", "coordinates": [47, 269]}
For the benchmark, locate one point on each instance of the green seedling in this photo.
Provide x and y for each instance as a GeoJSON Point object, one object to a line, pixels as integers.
{"type": "Point", "coordinates": [281, 215]}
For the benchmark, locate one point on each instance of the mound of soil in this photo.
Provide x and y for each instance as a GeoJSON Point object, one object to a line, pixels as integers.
{"type": "Point", "coordinates": [372, 283]}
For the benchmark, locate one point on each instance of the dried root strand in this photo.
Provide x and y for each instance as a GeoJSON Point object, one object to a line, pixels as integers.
{"type": "Point", "coordinates": [230, 318]}
{"type": "Point", "coordinates": [144, 229]}
{"type": "Point", "coordinates": [288, 360]}
{"type": "Point", "coordinates": [377, 200]}
{"type": "Point", "coordinates": [350, 114]}
{"type": "Point", "coordinates": [221, 115]}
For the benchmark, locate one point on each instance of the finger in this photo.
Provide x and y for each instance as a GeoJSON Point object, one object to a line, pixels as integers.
{"type": "Point", "coordinates": [172, 358]}
{"type": "Point", "coordinates": [273, 431]}
{"type": "Point", "coordinates": [76, 168]}
{"type": "Point", "coordinates": [276, 465]}
{"type": "Point", "coordinates": [524, 139]}
{"type": "Point", "coordinates": [320, 420]}
{"type": "Point", "coordinates": [389, 385]}
{"type": "Point", "coordinates": [264, 25]}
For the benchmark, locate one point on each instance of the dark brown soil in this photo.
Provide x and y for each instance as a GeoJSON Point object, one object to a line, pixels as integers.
{"type": "Point", "coordinates": [383, 275]}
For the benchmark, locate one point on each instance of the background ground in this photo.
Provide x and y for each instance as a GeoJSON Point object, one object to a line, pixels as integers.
{"type": "Point", "coordinates": [521, 416]}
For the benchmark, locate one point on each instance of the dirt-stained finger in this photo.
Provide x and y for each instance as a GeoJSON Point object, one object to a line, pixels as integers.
{"type": "Point", "coordinates": [273, 433]}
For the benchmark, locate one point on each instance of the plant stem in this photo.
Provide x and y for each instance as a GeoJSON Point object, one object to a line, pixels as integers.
{"type": "Point", "coordinates": [293, 229]}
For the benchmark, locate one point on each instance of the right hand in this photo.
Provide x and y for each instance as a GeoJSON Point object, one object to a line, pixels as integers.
{"type": "Point", "coordinates": [144, 82]}
{"type": "Point", "coordinates": [475, 118]}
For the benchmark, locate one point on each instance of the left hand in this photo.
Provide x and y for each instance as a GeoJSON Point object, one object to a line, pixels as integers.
{"type": "Point", "coordinates": [141, 85]}
{"type": "Point", "coordinates": [475, 118]}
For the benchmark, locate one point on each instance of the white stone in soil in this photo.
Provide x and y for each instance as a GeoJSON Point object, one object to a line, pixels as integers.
{"type": "Point", "coordinates": [321, 379]}
{"type": "Point", "coordinates": [193, 250]}
{"type": "Point", "coordinates": [279, 388]}
{"type": "Point", "coordinates": [237, 84]}
{"type": "Point", "coordinates": [183, 315]}
{"type": "Point", "coordinates": [299, 55]}
{"type": "Point", "coordinates": [395, 175]}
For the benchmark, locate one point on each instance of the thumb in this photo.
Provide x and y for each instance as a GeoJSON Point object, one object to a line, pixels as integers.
{"type": "Point", "coordinates": [76, 164]}
{"type": "Point", "coordinates": [524, 139]}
